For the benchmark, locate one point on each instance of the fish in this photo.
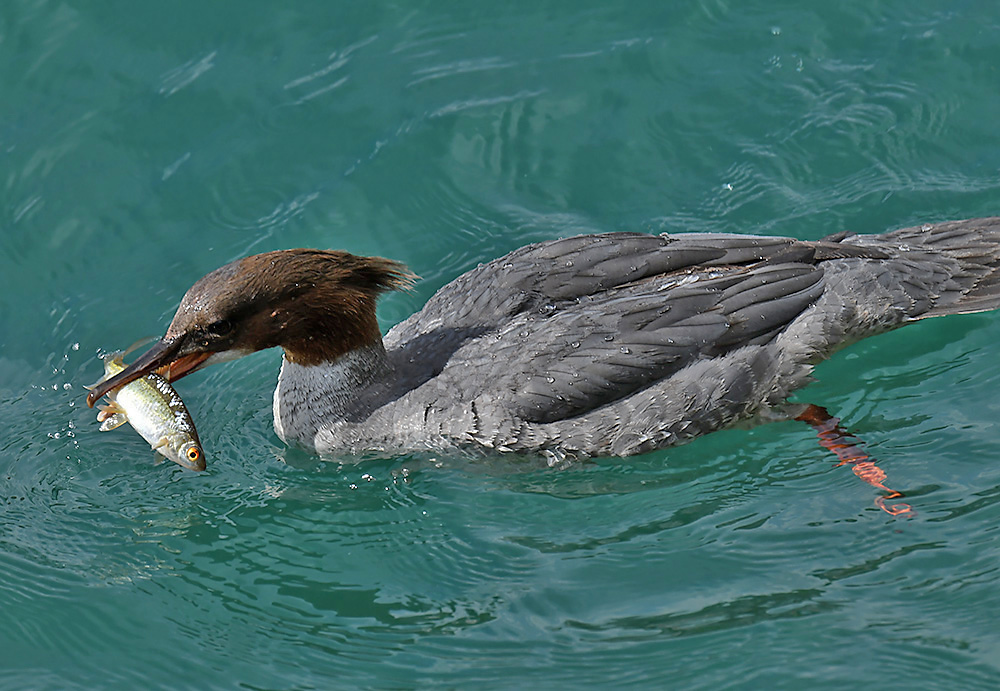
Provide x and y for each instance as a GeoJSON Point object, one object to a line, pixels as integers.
{"type": "Point", "coordinates": [157, 413]}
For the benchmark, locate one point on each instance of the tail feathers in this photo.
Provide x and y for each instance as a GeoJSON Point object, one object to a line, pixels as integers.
{"type": "Point", "coordinates": [983, 298]}
{"type": "Point", "coordinates": [970, 252]}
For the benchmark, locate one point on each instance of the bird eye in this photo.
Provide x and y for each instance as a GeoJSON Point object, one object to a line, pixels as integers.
{"type": "Point", "coordinates": [222, 327]}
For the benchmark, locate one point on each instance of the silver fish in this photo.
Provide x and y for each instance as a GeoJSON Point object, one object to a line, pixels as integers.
{"type": "Point", "coordinates": [156, 412]}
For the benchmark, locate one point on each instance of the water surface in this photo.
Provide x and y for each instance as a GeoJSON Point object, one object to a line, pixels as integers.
{"type": "Point", "coordinates": [141, 147]}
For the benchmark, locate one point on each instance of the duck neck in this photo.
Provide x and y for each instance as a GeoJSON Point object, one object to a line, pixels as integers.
{"type": "Point", "coordinates": [309, 397]}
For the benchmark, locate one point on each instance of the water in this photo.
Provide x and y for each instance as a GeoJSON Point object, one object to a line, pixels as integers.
{"type": "Point", "coordinates": [143, 146]}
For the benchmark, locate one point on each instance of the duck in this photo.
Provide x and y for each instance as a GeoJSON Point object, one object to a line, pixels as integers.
{"type": "Point", "coordinates": [609, 344]}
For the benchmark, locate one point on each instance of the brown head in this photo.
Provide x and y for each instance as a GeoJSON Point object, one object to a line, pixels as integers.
{"type": "Point", "coordinates": [316, 304]}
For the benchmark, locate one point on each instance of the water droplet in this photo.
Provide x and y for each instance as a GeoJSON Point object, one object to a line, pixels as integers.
{"type": "Point", "coordinates": [609, 337]}
{"type": "Point", "coordinates": [550, 380]}
{"type": "Point", "coordinates": [574, 344]}
{"type": "Point", "coordinates": [366, 477]}
{"type": "Point", "coordinates": [75, 346]}
{"type": "Point", "coordinates": [625, 350]}
{"type": "Point", "coordinates": [67, 386]}
{"type": "Point", "coordinates": [776, 31]}
{"type": "Point", "coordinates": [523, 334]}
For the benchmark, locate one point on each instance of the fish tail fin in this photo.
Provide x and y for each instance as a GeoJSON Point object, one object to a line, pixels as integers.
{"type": "Point", "coordinates": [138, 344]}
{"type": "Point", "coordinates": [116, 356]}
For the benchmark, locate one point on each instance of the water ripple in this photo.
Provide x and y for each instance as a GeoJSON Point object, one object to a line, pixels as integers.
{"type": "Point", "coordinates": [179, 77]}
{"type": "Point", "coordinates": [460, 67]}
{"type": "Point", "coordinates": [231, 210]}
{"type": "Point", "coordinates": [434, 137]}
{"type": "Point", "coordinates": [459, 106]}
{"type": "Point", "coordinates": [313, 83]}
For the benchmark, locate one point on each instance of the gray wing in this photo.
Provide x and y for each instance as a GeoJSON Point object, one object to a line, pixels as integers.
{"type": "Point", "coordinates": [548, 273]}
{"type": "Point", "coordinates": [557, 329]}
{"type": "Point", "coordinates": [630, 337]}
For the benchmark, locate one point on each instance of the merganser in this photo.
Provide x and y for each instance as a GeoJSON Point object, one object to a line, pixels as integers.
{"type": "Point", "coordinates": [596, 345]}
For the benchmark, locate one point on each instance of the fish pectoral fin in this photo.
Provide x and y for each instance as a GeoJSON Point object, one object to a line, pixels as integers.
{"type": "Point", "coordinates": [111, 416]}
{"type": "Point", "coordinates": [112, 421]}
{"type": "Point", "coordinates": [160, 457]}
{"type": "Point", "coordinates": [109, 408]}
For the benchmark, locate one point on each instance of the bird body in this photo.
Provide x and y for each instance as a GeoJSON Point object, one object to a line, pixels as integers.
{"type": "Point", "coordinates": [609, 344]}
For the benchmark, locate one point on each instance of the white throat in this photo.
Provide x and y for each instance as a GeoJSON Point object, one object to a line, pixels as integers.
{"type": "Point", "coordinates": [310, 397]}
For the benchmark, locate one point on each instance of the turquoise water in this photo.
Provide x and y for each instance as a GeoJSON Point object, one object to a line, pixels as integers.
{"type": "Point", "coordinates": [143, 145]}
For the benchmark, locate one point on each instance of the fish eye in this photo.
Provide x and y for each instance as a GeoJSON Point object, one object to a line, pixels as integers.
{"type": "Point", "coordinates": [193, 454]}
